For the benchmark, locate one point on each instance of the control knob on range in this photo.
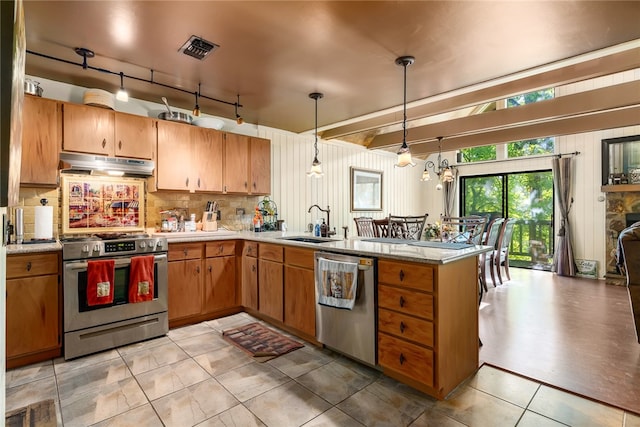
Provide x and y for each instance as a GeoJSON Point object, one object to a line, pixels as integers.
{"type": "Point", "coordinates": [143, 245]}
{"type": "Point", "coordinates": [85, 248]}
{"type": "Point", "coordinates": [159, 244]}
{"type": "Point", "coordinates": [96, 248]}
{"type": "Point", "coordinates": [151, 244]}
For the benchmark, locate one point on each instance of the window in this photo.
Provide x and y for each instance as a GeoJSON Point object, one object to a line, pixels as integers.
{"type": "Point", "coordinates": [526, 196]}
{"type": "Point", "coordinates": [528, 147]}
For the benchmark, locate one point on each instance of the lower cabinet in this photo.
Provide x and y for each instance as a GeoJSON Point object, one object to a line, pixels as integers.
{"type": "Point", "coordinates": [33, 308]}
{"type": "Point", "coordinates": [250, 275]}
{"type": "Point", "coordinates": [185, 280]}
{"type": "Point", "coordinates": [299, 291]}
{"type": "Point", "coordinates": [219, 290]}
{"type": "Point", "coordinates": [270, 281]}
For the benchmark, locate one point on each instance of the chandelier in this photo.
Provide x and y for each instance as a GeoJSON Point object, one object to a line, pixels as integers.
{"type": "Point", "coordinates": [441, 169]}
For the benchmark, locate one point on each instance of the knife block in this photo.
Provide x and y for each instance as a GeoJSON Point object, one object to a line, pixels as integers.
{"type": "Point", "coordinates": [209, 222]}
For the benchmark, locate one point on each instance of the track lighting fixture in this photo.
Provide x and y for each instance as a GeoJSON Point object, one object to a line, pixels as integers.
{"type": "Point", "coordinates": [196, 109]}
{"type": "Point", "coordinates": [316, 169]}
{"type": "Point", "coordinates": [122, 94]}
{"type": "Point", "coordinates": [404, 154]}
{"type": "Point", "coordinates": [239, 120]}
{"type": "Point", "coordinates": [442, 169]}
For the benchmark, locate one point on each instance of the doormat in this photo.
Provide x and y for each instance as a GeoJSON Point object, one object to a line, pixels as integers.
{"type": "Point", "coordinates": [41, 414]}
{"type": "Point", "coordinates": [261, 342]}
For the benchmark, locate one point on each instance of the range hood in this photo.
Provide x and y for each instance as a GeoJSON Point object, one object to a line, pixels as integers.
{"type": "Point", "coordinates": [101, 165]}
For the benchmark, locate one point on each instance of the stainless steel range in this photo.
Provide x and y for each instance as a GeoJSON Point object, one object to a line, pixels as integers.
{"type": "Point", "coordinates": [90, 327]}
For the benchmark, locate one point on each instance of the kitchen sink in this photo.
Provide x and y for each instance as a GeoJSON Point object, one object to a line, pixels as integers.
{"type": "Point", "coordinates": [306, 239]}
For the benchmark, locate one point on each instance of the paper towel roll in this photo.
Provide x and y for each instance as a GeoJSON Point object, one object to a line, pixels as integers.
{"type": "Point", "coordinates": [44, 222]}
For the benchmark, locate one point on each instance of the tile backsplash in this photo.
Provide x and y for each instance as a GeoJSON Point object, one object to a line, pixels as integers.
{"type": "Point", "coordinates": [155, 202]}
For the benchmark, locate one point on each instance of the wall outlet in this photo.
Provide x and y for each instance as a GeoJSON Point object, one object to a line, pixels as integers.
{"type": "Point", "coordinates": [239, 211]}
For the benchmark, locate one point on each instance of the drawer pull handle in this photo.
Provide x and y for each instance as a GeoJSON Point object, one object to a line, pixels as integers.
{"type": "Point", "coordinates": [104, 142]}
{"type": "Point", "coordinates": [402, 358]}
{"type": "Point", "coordinates": [402, 327]}
{"type": "Point", "coordinates": [210, 269]}
{"type": "Point", "coordinates": [198, 182]}
{"type": "Point", "coordinates": [120, 145]}
{"type": "Point", "coordinates": [186, 183]}
{"type": "Point", "coordinates": [401, 275]}
{"type": "Point", "coordinates": [198, 269]}
{"type": "Point", "coordinates": [186, 251]}
{"type": "Point", "coordinates": [401, 301]}
{"type": "Point", "coordinates": [253, 268]}
{"type": "Point", "coordinates": [220, 249]}
{"type": "Point", "coordinates": [29, 266]}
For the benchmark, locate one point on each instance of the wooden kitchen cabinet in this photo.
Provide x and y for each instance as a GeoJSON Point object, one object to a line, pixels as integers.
{"type": "Point", "coordinates": [260, 166]}
{"type": "Point", "coordinates": [185, 280]}
{"type": "Point", "coordinates": [135, 136]}
{"type": "Point", "coordinates": [428, 323]}
{"type": "Point", "coordinates": [236, 163]}
{"type": "Point", "coordinates": [189, 158]}
{"type": "Point", "coordinates": [250, 275]}
{"type": "Point", "coordinates": [299, 290]}
{"type": "Point", "coordinates": [270, 281]}
{"type": "Point", "coordinates": [33, 308]}
{"type": "Point", "coordinates": [219, 290]}
{"type": "Point", "coordinates": [87, 129]}
{"type": "Point", "coordinates": [41, 141]}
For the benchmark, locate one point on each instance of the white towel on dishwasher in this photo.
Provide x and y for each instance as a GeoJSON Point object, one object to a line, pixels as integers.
{"type": "Point", "coordinates": [337, 283]}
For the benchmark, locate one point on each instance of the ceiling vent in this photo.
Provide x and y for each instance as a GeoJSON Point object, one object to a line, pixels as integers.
{"type": "Point", "coordinates": [198, 47]}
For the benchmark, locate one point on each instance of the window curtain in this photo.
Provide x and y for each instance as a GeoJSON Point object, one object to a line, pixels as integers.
{"type": "Point", "coordinates": [563, 262]}
{"type": "Point", "coordinates": [449, 194]}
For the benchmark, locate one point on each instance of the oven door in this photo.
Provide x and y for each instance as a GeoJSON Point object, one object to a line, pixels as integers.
{"type": "Point", "coordinates": [79, 315]}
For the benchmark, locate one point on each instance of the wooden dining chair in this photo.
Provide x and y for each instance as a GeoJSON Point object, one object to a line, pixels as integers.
{"type": "Point", "coordinates": [486, 259]}
{"type": "Point", "coordinates": [365, 227]}
{"type": "Point", "coordinates": [406, 227]}
{"type": "Point", "coordinates": [463, 229]}
{"type": "Point", "coordinates": [381, 227]}
{"type": "Point", "coordinates": [501, 254]}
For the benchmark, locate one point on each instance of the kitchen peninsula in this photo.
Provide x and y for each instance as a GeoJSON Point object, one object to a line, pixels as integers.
{"type": "Point", "coordinates": [427, 298]}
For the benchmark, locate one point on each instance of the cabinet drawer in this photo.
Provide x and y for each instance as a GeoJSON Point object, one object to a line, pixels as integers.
{"type": "Point", "coordinates": [299, 257]}
{"type": "Point", "coordinates": [412, 360]}
{"type": "Point", "coordinates": [222, 248]}
{"type": "Point", "coordinates": [410, 275]}
{"type": "Point", "coordinates": [32, 265]}
{"type": "Point", "coordinates": [182, 251]}
{"type": "Point", "coordinates": [271, 252]}
{"type": "Point", "coordinates": [407, 327]}
{"type": "Point", "coordinates": [250, 249]}
{"type": "Point", "coordinates": [406, 301]}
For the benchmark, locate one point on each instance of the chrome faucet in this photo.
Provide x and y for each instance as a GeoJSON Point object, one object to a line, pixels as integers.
{"type": "Point", "coordinates": [328, 212]}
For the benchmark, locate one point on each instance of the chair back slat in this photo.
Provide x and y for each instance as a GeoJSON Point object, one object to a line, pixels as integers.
{"type": "Point", "coordinates": [406, 227]}
{"type": "Point", "coordinates": [493, 231]}
{"type": "Point", "coordinates": [365, 227]}
{"type": "Point", "coordinates": [381, 227]}
{"type": "Point", "coordinates": [464, 229]}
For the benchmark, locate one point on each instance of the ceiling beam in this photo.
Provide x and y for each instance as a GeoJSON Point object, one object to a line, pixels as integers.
{"type": "Point", "coordinates": [607, 98]}
{"type": "Point", "coordinates": [592, 122]}
{"type": "Point", "coordinates": [605, 65]}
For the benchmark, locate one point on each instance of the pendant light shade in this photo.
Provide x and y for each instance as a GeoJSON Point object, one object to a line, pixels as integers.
{"type": "Point", "coordinates": [316, 169]}
{"type": "Point", "coordinates": [196, 108]}
{"type": "Point", "coordinates": [404, 153]}
{"type": "Point", "coordinates": [239, 119]}
{"type": "Point", "coordinates": [122, 94]}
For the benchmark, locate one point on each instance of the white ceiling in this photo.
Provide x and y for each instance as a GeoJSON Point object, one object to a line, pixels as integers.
{"type": "Point", "coordinates": [273, 54]}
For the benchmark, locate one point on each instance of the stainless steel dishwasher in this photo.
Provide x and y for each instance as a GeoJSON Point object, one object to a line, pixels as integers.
{"type": "Point", "coordinates": [350, 331]}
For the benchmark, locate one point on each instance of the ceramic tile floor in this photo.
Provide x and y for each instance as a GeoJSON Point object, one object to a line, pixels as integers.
{"type": "Point", "coordinates": [192, 377]}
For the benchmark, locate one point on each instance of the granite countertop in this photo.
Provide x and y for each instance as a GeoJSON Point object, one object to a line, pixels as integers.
{"type": "Point", "coordinates": [351, 246]}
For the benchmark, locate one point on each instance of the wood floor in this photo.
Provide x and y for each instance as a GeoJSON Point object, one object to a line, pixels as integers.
{"type": "Point", "coordinates": [571, 333]}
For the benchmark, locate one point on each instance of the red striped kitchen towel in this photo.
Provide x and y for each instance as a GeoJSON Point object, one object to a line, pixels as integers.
{"type": "Point", "coordinates": [141, 279]}
{"type": "Point", "coordinates": [100, 276]}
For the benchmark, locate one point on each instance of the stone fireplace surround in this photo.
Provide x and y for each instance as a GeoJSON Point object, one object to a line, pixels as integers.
{"type": "Point", "coordinates": [623, 209]}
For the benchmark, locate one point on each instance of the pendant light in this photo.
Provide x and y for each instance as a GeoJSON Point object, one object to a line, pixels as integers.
{"type": "Point", "coordinates": [404, 154]}
{"type": "Point", "coordinates": [316, 169]}
{"type": "Point", "coordinates": [239, 120]}
{"type": "Point", "coordinates": [442, 169]}
{"type": "Point", "coordinates": [122, 94]}
{"type": "Point", "coordinates": [196, 109]}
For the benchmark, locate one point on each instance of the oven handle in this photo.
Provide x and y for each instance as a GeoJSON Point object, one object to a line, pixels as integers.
{"type": "Point", "coordinates": [119, 262]}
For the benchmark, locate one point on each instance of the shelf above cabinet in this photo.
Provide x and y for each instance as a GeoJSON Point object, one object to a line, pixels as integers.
{"type": "Point", "coordinates": [620, 188]}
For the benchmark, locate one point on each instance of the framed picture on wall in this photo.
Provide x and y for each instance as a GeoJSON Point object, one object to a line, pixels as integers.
{"type": "Point", "coordinates": [94, 204]}
{"type": "Point", "coordinates": [366, 190]}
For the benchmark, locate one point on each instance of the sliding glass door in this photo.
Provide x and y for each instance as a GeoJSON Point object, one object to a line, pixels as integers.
{"type": "Point", "coordinates": [526, 196]}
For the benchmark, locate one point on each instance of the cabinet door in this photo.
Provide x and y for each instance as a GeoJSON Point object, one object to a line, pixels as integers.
{"type": "Point", "coordinates": [236, 163]}
{"type": "Point", "coordinates": [32, 315]}
{"type": "Point", "coordinates": [41, 141]}
{"type": "Point", "coordinates": [219, 284]}
{"type": "Point", "coordinates": [87, 129]}
{"type": "Point", "coordinates": [260, 154]}
{"type": "Point", "coordinates": [250, 282]}
{"type": "Point", "coordinates": [300, 299]}
{"type": "Point", "coordinates": [270, 293]}
{"type": "Point", "coordinates": [135, 136]}
{"type": "Point", "coordinates": [207, 159]}
{"type": "Point", "coordinates": [185, 296]}
{"type": "Point", "coordinates": [173, 170]}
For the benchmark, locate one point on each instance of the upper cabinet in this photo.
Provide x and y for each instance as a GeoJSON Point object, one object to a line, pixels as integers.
{"type": "Point", "coordinates": [247, 163]}
{"type": "Point", "coordinates": [88, 129]}
{"type": "Point", "coordinates": [41, 141]}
